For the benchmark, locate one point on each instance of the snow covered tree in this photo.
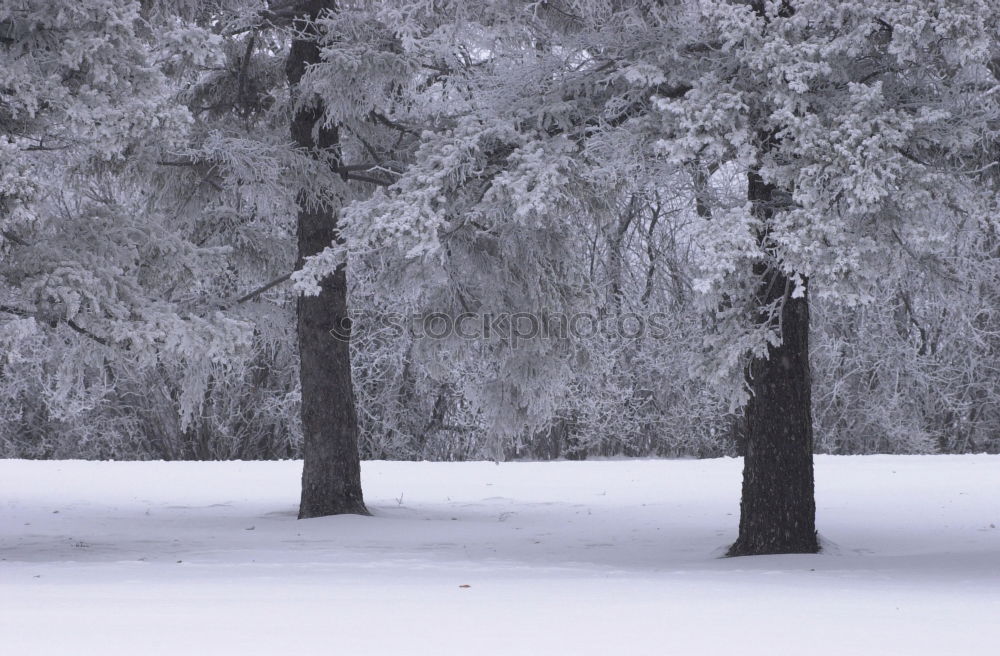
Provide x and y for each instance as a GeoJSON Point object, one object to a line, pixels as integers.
{"type": "Point", "coordinates": [346, 72]}
{"type": "Point", "coordinates": [91, 257]}
{"type": "Point", "coordinates": [856, 123]}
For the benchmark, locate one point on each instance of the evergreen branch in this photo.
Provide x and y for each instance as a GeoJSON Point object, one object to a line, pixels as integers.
{"type": "Point", "coordinates": [386, 121]}
{"type": "Point", "coordinates": [11, 237]}
{"type": "Point", "coordinates": [86, 333]}
{"type": "Point", "coordinates": [104, 341]}
{"type": "Point", "coordinates": [249, 296]}
{"type": "Point", "coordinates": [360, 177]}
{"type": "Point", "coordinates": [185, 163]}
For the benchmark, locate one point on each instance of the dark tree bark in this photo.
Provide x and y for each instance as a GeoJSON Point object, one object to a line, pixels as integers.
{"type": "Point", "coordinates": [331, 473]}
{"type": "Point", "coordinates": [778, 508]}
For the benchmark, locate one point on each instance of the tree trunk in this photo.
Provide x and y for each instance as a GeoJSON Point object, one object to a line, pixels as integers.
{"type": "Point", "coordinates": [331, 473]}
{"type": "Point", "coordinates": [778, 507]}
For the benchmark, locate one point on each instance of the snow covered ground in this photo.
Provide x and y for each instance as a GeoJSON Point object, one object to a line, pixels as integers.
{"type": "Point", "coordinates": [607, 557]}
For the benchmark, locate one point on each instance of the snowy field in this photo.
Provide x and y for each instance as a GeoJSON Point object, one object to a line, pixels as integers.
{"type": "Point", "coordinates": [607, 557]}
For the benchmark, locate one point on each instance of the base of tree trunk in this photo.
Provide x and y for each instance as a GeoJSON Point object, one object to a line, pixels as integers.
{"type": "Point", "coordinates": [775, 545]}
{"type": "Point", "coordinates": [318, 502]}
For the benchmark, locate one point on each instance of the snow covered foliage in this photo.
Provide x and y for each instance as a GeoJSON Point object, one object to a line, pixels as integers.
{"type": "Point", "coordinates": [544, 159]}
{"type": "Point", "coordinates": [871, 118]}
{"type": "Point", "coordinates": [102, 261]}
